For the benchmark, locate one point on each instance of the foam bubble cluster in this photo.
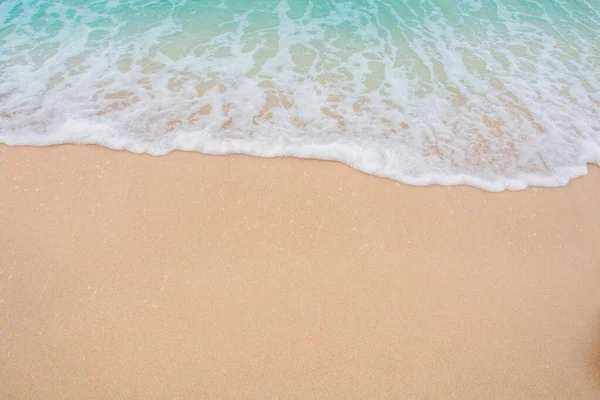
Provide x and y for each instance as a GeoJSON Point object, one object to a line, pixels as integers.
{"type": "Point", "coordinates": [498, 94]}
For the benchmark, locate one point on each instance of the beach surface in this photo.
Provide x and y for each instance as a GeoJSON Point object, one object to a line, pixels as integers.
{"type": "Point", "coordinates": [232, 277]}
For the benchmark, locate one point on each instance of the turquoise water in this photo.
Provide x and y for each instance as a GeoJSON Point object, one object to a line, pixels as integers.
{"type": "Point", "coordinates": [496, 94]}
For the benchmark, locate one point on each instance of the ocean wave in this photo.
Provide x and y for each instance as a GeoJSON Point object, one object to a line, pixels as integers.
{"type": "Point", "coordinates": [497, 94]}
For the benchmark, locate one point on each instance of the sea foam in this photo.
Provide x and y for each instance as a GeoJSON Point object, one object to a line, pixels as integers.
{"type": "Point", "coordinates": [496, 94]}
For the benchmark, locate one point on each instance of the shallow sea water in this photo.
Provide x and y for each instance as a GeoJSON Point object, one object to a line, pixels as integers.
{"type": "Point", "coordinates": [496, 94]}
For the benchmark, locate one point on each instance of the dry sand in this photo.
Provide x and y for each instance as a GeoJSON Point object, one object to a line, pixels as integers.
{"type": "Point", "coordinates": [215, 277]}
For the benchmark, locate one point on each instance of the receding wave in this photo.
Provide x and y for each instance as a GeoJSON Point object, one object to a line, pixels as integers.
{"type": "Point", "coordinates": [497, 94]}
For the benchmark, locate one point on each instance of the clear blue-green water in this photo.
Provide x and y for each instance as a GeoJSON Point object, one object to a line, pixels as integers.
{"type": "Point", "coordinates": [496, 94]}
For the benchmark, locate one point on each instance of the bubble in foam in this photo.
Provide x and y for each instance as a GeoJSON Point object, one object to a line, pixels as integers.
{"type": "Point", "coordinates": [498, 95]}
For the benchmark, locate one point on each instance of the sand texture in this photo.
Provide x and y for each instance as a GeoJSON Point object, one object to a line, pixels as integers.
{"type": "Point", "coordinates": [231, 277]}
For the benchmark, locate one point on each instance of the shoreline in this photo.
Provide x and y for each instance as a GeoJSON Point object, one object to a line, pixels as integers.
{"type": "Point", "coordinates": [232, 276]}
{"type": "Point", "coordinates": [322, 153]}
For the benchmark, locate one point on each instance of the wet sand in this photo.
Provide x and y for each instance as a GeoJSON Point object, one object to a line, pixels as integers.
{"type": "Point", "coordinates": [232, 277]}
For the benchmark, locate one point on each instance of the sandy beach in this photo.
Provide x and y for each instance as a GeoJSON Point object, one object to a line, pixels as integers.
{"type": "Point", "coordinates": [128, 276]}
